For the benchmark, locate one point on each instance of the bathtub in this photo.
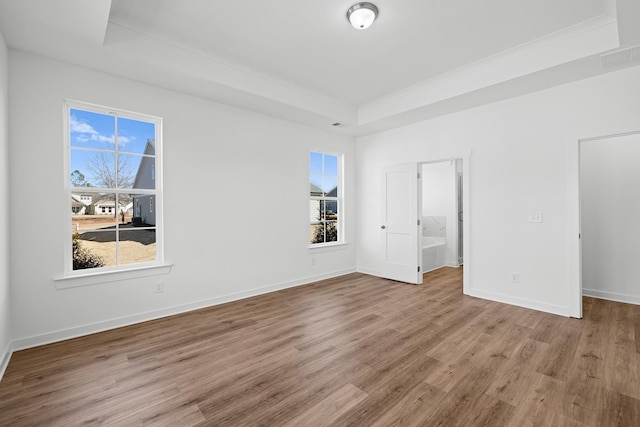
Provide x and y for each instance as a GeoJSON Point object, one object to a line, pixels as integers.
{"type": "Point", "coordinates": [433, 252]}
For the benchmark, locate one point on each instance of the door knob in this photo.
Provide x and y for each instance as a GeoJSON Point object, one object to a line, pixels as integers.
{"type": "Point", "coordinates": [383, 227]}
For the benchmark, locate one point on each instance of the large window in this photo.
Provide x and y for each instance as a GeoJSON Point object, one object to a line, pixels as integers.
{"type": "Point", "coordinates": [325, 193]}
{"type": "Point", "coordinates": [114, 189]}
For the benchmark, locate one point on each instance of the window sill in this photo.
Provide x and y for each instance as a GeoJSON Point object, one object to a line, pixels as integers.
{"type": "Point", "coordinates": [111, 276]}
{"type": "Point", "coordinates": [327, 247]}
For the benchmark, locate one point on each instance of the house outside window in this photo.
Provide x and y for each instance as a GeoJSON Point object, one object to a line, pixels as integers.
{"type": "Point", "coordinates": [325, 199]}
{"type": "Point", "coordinates": [113, 164]}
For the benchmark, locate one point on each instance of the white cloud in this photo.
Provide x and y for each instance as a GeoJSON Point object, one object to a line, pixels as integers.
{"type": "Point", "coordinates": [84, 132]}
{"type": "Point", "coordinates": [81, 127]}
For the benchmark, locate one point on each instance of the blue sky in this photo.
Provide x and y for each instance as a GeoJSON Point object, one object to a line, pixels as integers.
{"type": "Point", "coordinates": [96, 131]}
{"type": "Point", "coordinates": [324, 171]}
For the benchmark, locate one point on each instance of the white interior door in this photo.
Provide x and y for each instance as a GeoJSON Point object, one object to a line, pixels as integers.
{"type": "Point", "coordinates": [399, 227]}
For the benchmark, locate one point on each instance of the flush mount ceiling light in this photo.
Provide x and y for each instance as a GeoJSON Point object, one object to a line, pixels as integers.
{"type": "Point", "coordinates": [362, 15]}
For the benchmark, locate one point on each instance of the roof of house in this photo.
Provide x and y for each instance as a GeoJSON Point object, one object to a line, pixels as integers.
{"type": "Point", "coordinates": [149, 150]}
{"type": "Point", "coordinates": [75, 201]}
{"type": "Point", "coordinates": [107, 201]}
{"type": "Point", "coordinates": [78, 199]}
{"type": "Point", "coordinates": [314, 190]}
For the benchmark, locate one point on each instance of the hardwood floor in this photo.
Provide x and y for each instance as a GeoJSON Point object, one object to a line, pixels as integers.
{"type": "Point", "coordinates": [351, 351]}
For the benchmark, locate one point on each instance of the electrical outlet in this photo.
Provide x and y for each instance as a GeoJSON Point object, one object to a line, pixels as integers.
{"type": "Point", "coordinates": [159, 287]}
{"type": "Point", "coordinates": [515, 277]}
{"type": "Point", "coordinates": [313, 261]}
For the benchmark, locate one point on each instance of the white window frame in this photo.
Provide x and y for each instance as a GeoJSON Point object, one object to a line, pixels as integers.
{"type": "Point", "coordinates": [69, 273]}
{"type": "Point", "coordinates": [339, 198]}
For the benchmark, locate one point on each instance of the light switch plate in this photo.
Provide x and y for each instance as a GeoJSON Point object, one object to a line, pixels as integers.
{"type": "Point", "coordinates": [535, 217]}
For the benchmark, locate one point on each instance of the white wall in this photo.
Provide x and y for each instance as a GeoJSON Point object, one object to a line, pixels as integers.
{"type": "Point", "coordinates": [228, 162]}
{"type": "Point", "coordinates": [5, 307]}
{"type": "Point", "coordinates": [439, 199]}
{"type": "Point", "coordinates": [610, 208]}
{"type": "Point", "coordinates": [518, 165]}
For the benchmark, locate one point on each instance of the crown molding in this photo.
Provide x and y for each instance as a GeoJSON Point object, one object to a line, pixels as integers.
{"type": "Point", "coordinates": [588, 38]}
{"type": "Point", "coordinates": [208, 66]}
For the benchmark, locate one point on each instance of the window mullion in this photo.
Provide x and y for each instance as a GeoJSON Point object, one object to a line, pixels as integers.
{"type": "Point", "coordinates": [116, 213]}
{"type": "Point", "coordinates": [116, 144]}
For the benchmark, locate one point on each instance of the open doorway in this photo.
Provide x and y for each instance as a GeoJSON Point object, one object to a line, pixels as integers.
{"type": "Point", "coordinates": [609, 176]}
{"type": "Point", "coordinates": [577, 174]}
{"type": "Point", "coordinates": [441, 217]}
{"type": "Point", "coordinates": [401, 221]}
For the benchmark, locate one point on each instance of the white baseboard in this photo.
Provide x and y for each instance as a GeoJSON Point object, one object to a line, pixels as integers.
{"type": "Point", "coordinates": [612, 296]}
{"type": "Point", "coordinates": [441, 266]}
{"type": "Point", "coordinates": [79, 331]}
{"type": "Point", "coordinates": [369, 271]}
{"type": "Point", "coordinates": [378, 273]}
{"type": "Point", "coordinates": [4, 361]}
{"type": "Point", "coordinates": [521, 302]}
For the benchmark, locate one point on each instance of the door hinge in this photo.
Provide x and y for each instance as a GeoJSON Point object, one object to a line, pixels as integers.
{"type": "Point", "coordinates": [418, 175]}
{"type": "Point", "coordinates": [418, 222]}
{"type": "Point", "coordinates": [418, 269]}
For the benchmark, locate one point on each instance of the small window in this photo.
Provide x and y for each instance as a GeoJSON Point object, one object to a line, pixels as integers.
{"type": "Point", "coordinates": [325, 198]}
{"type": "Point", "coordinates": [113, 165]}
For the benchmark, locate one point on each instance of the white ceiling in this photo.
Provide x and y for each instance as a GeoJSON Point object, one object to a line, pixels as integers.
{"type": "Point", "coordinates": [302, 61]}
{"type": "Point", "coordinates": [311, 43]}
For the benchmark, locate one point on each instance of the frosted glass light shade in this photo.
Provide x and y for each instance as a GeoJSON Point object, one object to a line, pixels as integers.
{"type": "Point", "coordinates": [362, 15]}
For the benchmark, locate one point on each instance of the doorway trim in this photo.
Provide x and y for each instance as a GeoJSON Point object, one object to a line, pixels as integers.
{"type": "Point", "coordinates": [574, 242]}
{"type": "Point", "coordinates": [466, 213]}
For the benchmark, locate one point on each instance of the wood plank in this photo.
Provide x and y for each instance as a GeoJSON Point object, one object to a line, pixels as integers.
{"type": "Point", "coordinates": [618, 410]}
{"type": "Point", "coordinates": [467, 403]}
{"type": "Point", "coordinates": [386, 389]}
{"type": "Point", "coordinates": [542, 405]}
{"type": "Point", "coordinates": [621, 368]}
{"type": "Point", "coordinates": [330, 408]}
{"type": "Point", "coordinates": [353, 350]}
{"type": "Point", "coordinates": [636, 327]}
{"type": "Point", "coordinates": [421, 399]}
{"type": "Point", "coordinates": [514, 380]}
{"type": "Point", "coordinates": [562, 353]}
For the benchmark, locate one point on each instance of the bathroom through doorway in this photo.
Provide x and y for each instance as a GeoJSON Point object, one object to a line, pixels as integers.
{"type": "Point", "coordinates": [441, 216]}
